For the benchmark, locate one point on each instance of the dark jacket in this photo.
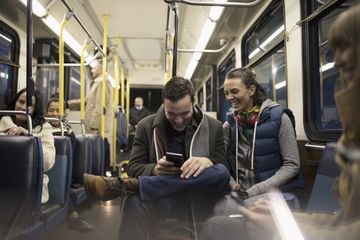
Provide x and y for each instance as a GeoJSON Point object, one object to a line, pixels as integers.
{"type": "Point", "coordinates": [137, 115]}
{"type": "Point", "coordinates": [199, 141]}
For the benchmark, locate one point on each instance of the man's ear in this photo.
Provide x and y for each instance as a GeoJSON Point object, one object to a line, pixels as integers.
{"type": "Point", "coordinates": [252, 90]}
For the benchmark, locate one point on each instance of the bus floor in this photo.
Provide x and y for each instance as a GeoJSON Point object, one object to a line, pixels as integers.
{"type": "Point", "coordinates": [104, 216]}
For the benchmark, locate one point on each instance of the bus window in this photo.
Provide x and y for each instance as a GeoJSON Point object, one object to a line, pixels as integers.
{"type": "Point", "coordinates": [9, 63]}
{"type": "Point", "coordinates": [208, 88]}
{"type": "Point", "coordinates": [264, 51]}
{"type": "Point", "coordinates": [225, 67]}
{"type": "Point", "coordinates": [200, 95]}
{"type": "Point", "coordinates": [322, 120]}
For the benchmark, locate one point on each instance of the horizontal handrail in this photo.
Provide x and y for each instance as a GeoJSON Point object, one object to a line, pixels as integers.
{"type": "Point", "coordinates": [218, 4]}
{"type": "Point", "coordinates": [318, 147]}
{"type": "Point", "coordinates": [58, 120]}
{"type": "Point", "coordinates": [10, 113]}
{"type": "Point", "coordinates": [81, 123]}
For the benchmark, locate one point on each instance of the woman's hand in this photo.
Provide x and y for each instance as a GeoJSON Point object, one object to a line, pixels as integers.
{"type": "Point", "coordinates": [235, 187]}
{"type": "Point", "coordinates": [260, 223]}
{"type": "Point", "coordinates": [17, 131]}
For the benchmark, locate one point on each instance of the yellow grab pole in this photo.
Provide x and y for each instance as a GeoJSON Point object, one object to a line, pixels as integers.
{"type": "Point", "coordinates": [82, 80]}
{"type": "Point", "coordinates": [103, 86]}
{"type": "Point", "coordinates": [127, 104]}
{"type": "Point", "coordinates": [61, 67]}
{"type": "Point", "coordinates": [122, 88]}
{"type": "Point", "coordinates": [116, 100]}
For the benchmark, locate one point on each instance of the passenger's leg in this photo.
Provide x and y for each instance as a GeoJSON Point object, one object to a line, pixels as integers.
{"type": "Point", "coordinates": [140, 217]}
{"type": "Point", "coordinates": [212, 182]}
{"type": "Point", "coordinates": [224, 228]}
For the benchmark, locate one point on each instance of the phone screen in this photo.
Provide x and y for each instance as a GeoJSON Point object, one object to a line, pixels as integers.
{"type": "Point", "coordinates": [176, 158]}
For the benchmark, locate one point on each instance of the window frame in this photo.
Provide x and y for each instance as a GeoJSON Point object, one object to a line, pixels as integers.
{"type": "Point", "coordinates": [15, 52]}
{"type": "Point", "coordinates": [311, 74]}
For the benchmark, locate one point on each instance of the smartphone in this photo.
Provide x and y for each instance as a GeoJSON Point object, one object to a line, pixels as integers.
{"type": "Point", "coordinates": [236, 197]}
{"type": "Point", "coordinates": [176, 158]}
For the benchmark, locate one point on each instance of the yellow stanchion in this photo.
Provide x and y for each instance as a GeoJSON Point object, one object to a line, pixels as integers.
{"type": "Point", "coordinates": [116, 100]}
{"type": "Point", "coordinates": [103, 85]}
{"type": "Point", "coordinates": [127, 104]}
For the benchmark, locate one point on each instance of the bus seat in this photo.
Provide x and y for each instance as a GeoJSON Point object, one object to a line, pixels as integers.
{"type": "Point", "coordinates": [82, 161]}
{"type": "Point", "coordinates": [98, 154]}
{"type": "Point", "coordinates": [20, 187]}
{"type": "Point", "coordinates": [55, 210]}
{"type": "Point", "coordinates": [321, 199]}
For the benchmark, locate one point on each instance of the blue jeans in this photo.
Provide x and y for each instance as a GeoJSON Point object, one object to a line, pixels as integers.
{"type": "Point", "coordinates": [161, 196]}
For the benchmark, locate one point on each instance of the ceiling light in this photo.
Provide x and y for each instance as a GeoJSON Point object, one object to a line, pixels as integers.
{"type": "Point", "coordinates": [215, 12]}
{"type": "Point", "coordinates": [37, 8]}
{"type": "Point", "coordinates": [280, 85]}
{"type": "Point", "coordinates": [267, 41]}
{"type": "Point", "coordinates": [327, 66]}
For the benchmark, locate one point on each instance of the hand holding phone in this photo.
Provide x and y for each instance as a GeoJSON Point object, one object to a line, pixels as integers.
{"type": "Point", "coordinates": [176, 158]}
{"type": "Point", "coordinates": [236, 197]}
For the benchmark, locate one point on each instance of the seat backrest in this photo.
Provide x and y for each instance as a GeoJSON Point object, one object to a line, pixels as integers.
{"type": "Point", "coordinates": [322, 199]}
{"type": "Point", "coordinates": [98, 153]}
{"type": "Point", "coordinates": [82, 159]}
{"type": "Point", "coordinates": [61, 173]}
{"type": "Point", "coordinates": [20, 182]}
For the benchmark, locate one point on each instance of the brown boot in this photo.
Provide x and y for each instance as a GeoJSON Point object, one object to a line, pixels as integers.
{"type": "Point", "coordinates": [108, 188]}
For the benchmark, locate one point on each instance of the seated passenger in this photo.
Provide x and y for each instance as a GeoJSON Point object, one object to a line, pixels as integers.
{"type": "Point", "coordinates": [259, 138]}
{"type": "Point", "coordinates": [17, 125]}
{"type": "Point", "coordinates": [74, 219]}
{"type": "Point", "coordinates": [180, 127]}
{"type": "Point", "coordinates": [257, 222]}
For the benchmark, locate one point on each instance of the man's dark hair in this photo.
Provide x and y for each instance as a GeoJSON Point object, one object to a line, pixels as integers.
{"type": "Point", "coordinates": [177, 88]}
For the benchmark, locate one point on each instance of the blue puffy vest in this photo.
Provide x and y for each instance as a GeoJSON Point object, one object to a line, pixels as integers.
{"type": "Point", "coordinates": [267, 155]}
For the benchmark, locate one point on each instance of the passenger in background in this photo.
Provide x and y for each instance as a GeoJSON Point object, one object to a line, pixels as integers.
{"type": "Point", "coordinates": [179, 126]}
{"type": "Point", "coordinates": [260, 140]}
{"type": "Point", "coordinates": [93, 109]}
{"type": "Point", "coordinates": [137, 113]}
{"type": "Point", "coordinates": [344, 38]}
{"type": "Point", "coordinates": [17, 125]}
{"type": "Point", "coordinates": [74, 219]}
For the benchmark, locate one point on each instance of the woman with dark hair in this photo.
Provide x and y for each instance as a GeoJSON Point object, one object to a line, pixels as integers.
{"type": "Point", "coordinates": [75, 221]}
{"type": "Point", "coordinates": [17, 125]}
{"type": "Point", "coordinates": [259, 138]}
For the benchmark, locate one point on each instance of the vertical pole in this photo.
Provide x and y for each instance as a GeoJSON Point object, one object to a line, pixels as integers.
{"type": "Point", "coordinates": [104, 66]}
{"type": "Point", "coordinates": [176, 27]}
{"type": "Point", "coordinates": [116, 100]}
{"type": "Point", "coordinates": [29, 51]}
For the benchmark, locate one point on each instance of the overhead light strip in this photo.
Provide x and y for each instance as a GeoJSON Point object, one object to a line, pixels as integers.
{"type": "Point", "coordinates": [206, 32]}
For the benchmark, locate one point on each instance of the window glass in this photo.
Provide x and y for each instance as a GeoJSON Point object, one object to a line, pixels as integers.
{"type": "Point", "coordinates": [6, 45]}
{"type": "Point", "coordinates": [225, 67]}
{"type": "Point", "coordinates": [265, 34]}
{"type": "Point", "coordinates": [47, 82]}
{"type": "Point", "coordinates": [9, 60]}
{"type": "Point", "coordinates": [271, 74]}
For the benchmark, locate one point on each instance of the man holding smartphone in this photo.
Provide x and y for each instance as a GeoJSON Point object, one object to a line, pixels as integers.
{"type": "Point", "coordinates": [179, 128]}
{"type": "Point", "coordinates": [178, 156]}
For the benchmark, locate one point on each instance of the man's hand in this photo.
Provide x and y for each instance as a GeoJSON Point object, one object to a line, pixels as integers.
{"type": "Point", "coordinates": [194, 166]}
{"type": "Point", "coordinates": [164, 167]}
{"type": "Point", "coordinates": [17, 131]}
{"type": "Point", "coordinates": [235, 187]}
